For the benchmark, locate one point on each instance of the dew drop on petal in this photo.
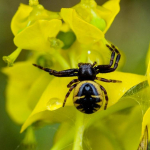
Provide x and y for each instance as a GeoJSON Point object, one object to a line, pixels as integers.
{"type": "Point", "coordinates": [54, 103]}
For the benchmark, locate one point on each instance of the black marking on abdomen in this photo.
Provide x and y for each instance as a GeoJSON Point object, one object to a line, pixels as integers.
{"type": "Point", "coordinates": [88, 99]}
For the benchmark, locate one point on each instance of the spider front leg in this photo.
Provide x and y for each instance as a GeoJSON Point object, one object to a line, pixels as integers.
{"type": "Point", "coordinates": [118, 55]}
{"type": "Point", "coordinates": [67, 95]}
{"type": "Point", "coordinates": [111, 59]}
{"type": "Point", "coordinates": [107, 68]}
{"type": "Point", "coordinates": [63, 73]}
{"type": "Point", "coordinates": [106, 96]}
{"type": "Point", "coordinates": [108, 80]}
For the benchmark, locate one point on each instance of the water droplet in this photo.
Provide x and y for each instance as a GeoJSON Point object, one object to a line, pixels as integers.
{"type": "Point", "coordinates": [54, 103]}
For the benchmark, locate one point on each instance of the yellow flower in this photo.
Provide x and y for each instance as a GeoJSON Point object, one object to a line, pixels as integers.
{"type": "Point", "coordinates": [39, 96]}
{"type": "Point", "coordinates": [27, 15]}
{"type": "Point", "coordinates": [24, 82]}
{"type": "Point", "coordinates": [37, 100]}
{"type": "Point", "coordinates": [49, 106]}
{"type": "Point", "coordinates": [38, 35]}
{"type": "Point", "coordinates": [85, 20]}
{"type": "Point", "coordinates": [89, 21]}
{"type": "Point", "coordinates": [117, 128]}
{"type": "Point", "coordinates": [35, 29]}
{"type": "Point", "coordinates": [89, 53]}
{"type": "Point", "coordinates": [146, 110]}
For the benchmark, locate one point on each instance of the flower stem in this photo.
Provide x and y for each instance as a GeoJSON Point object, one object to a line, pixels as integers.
{"type": "Point", "coordinates": [66, 140]}
{"type": "Point", "coordinates": [90, 3]}
{"type": "Point", "coordinates": [29, 141]}
{"type": "Point", "coordinates": [12, 57]}
{"type": "Point", "coordinates": [79, 132]}
{"type": "Point", "coordinates": [87, 1]}
{"type": "Point", "coordinates": [33, 2]}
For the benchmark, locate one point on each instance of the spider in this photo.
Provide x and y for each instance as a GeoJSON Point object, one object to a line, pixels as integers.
{"type": "Point", "coordinates": [88, 94]}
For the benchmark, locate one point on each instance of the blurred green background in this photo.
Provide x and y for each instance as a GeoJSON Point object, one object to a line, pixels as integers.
{"type": "Point", "coordinates": [130, 32]}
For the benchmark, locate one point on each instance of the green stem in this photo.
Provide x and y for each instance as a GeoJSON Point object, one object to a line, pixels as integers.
{"type": "Point", "coordinates": [12, 57]}
{"type": "Point", "coordinates": [29, 141]}
{"type": "Point", "coordinates": [79, 131]}
{"type": "Point", "coordinates": [87, 1]}
{"type": "Point", "coordinates": [63, 142]}
{"type": "Point", "coordinates": [90, 3]}
{"type": "Point", "coordinates": [61, 60]}
{"type": "Point", "coordinates": [33, 2]}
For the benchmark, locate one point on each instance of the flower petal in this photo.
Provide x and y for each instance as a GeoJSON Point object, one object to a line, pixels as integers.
{"type": "Point", "coordinates": [35, 37]}
{"type": "Point", "coordinates": [37, 88]}
{"type": "Point", "coordinates": [59, 115]}
{"type": "Point", "coordinates": [50, 101]}
{"type": "Point", "coordinates": [17, 89]}
{"type": "Point", "coordinates": [116, 130]}
{"type": "Point", "coordinates": [20, 19]}
{"type": "Point", "coordinates": [85, 32]}
{"type": "Point", "coordinates": [128, 80]}
{"type": "Point", "coordinates": [113, 8]}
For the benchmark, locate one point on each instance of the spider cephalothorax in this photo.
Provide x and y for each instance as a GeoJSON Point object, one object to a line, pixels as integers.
{"type": "Point", "coordinates": [88, 94]}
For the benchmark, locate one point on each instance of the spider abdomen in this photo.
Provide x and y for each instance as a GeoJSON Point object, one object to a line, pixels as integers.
{"type": "Point", "coordinates": [88, 97]}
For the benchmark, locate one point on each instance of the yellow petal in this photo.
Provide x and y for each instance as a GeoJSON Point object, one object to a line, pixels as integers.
{"type": "Point", "coordinates": [27, 15]}
{"type": "Point", "coordinates": [125, 124]}
{"type": "Point", "coordinates": [97, 52]}
{"type": "Point", "coordinates": [21, 77]}
{"type": "Point", "coordinates": [35, 37]}
{"type": "Point", "coordinates": [117, 90]}
{"type": "Point", "coordinates": [113, 8]}
{"type": "Point", "coordinates": [20, 19]}
{"type": "Point", "coordinates": [59, 115]}
{"type": "Point", "coordinates": [37, 88]}
{"type": "Point", "coordinates": [16, 104]}
{"type": "Point", "coordinates": [85, 32]}
{"type": "Point", "coordinates": [51, 100]}
{"type": "Point", "coordinates": [22, 71]}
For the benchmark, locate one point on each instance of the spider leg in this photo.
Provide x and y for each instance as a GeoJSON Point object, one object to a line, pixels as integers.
{"type": "Point", "coordinates": [111, 59]}
{"type": "Point", "coordinates": [67, 95]}
{"type": "Point", "coordinates": [73, 81]}
{"type": "Point", "coordinates": [108, 80]}
{"type": "Point", "coordinates": [107, 68]}
{"type": "Point", "coordinates": [63, 73]}
{"type": "Point", "coordinates": [118, 56]}
{"type": "Point", "coordinates": [94, 63]}
{"type": "Point", "coordinates": [106, 96]}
